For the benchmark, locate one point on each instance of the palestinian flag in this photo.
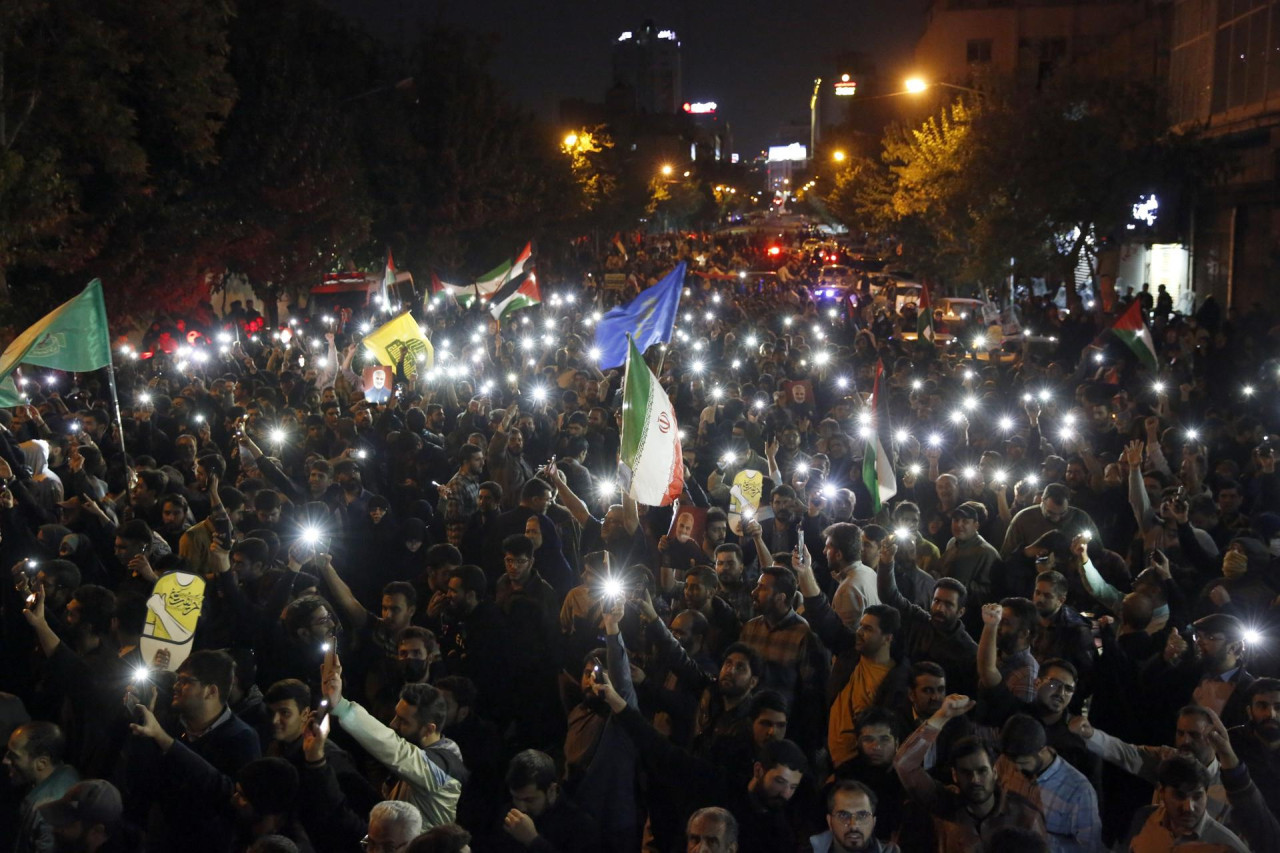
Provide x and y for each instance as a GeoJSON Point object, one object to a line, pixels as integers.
{"type": "Point", "coordinates": [444, 291]}
{"type": "Point", "coordinates": [515, 295]}
{"type": "Point", "coordinates": [877, 465]}
{"type": "Point", "coordinates": [1133, 331]}
{"type": "Point", "coordinates": [924, 317]}
{"type": "Point", "coordinates": [617, 244]}
{"type": "Point", "coordinates": [495, 279]}
{"type": "Point", "coordinates": [650, 468]}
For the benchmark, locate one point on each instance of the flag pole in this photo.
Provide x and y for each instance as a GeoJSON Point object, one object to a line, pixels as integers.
{"type": "Point", "coordinates": [111, 381]}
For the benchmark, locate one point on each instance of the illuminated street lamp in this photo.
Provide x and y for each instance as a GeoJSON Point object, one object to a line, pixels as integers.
{"type": "Point", "coordinates": [917, 86]}
{"type": "Point", "coordinates": [838, 155]}
{"type": "Point", "coordinates": [667, 169]}
{"type": "Point", "coordinates": [570, 140]}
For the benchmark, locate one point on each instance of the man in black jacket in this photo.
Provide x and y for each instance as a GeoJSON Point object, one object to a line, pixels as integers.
{"type": "Point", "coordinates": [542, 816]}
{"type": "Point", "coordinates": [159, 761]}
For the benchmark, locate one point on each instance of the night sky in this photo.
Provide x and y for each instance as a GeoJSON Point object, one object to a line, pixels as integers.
{"type": "Point", "coordinates": [755, 59]}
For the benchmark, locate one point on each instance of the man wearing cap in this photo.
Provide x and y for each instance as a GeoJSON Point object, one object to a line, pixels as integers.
{"type": "Point", "coordinates": [1215, 678]}
{"type": "Point", "coordinates": [1028, 766]}
{"type": "Point", "coordinates": [1054, 513]}
{"type": "Point", "coordinates": [969, 558]}
{"type": "Point", "coordinates": [88, 818]}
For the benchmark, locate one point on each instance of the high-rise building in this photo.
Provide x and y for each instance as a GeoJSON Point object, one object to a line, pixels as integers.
{"type": "Point", "coordinates": [646, 70]}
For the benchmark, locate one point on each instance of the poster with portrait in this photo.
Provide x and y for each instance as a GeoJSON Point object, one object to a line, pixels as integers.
{"type": "Point", "coordinates": [688, 522]}
{"type": "Point", "coordinates": [744, 498]}
{"type": "Point", "coordinates": [799, 394]}
{"type": "Point", "coordinates": [379, 383]}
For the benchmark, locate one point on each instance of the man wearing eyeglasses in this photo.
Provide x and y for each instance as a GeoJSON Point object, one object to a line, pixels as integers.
{"type": "Point", "coordinates": [392, 825]}
{"type": "Point", "coordinates": [851, 820]}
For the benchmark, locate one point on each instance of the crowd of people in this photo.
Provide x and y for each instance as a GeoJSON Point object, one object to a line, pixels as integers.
{"type": "Point", "coordinates": [436, 622]}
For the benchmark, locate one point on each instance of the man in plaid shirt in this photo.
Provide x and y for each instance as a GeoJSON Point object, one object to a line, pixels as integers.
{"type": "Point", "coordinates": [1029, 767]}
{"type": "Point", "coordinates": [795, 662]}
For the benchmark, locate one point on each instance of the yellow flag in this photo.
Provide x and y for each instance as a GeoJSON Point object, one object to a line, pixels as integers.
{"type": "Point", "coordinates": [401, 338]}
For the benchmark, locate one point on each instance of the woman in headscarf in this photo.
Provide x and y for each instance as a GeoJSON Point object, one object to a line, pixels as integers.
{"type": "Point", "coordinates": [548, 556]}
{"type": "Point", "coordinates": [78, 548]}
{"type": "Point", "coordinates": [45, 486]}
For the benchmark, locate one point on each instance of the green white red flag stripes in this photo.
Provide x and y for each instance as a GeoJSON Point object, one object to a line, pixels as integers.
{"type": "Point", "coordinates": [1133, 331]}
{"type": "Point", "coordinates": [487, 286]}
{"type": "Point", "coordinates": [877, 466]}
{"type": "Point", "coordinates": [388, 279]}
{"type": "Point", "coordinates": [515, 296]}
{"type": "Point", "coordinates": [924, 317]}
{"type": "Point", "coordinates": [650, 468]}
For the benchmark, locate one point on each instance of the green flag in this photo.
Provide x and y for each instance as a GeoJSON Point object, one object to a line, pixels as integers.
{"type": "Point", "coordinates": [73, 337]}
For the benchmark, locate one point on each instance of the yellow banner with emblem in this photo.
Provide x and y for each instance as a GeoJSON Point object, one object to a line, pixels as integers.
{"type": "Point", "coordinates": [401, 338]}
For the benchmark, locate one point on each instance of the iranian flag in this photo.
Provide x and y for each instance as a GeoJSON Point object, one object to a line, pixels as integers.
{"type": "Point", "coordinates": [924, 318]}
{"type": "Point", "coordinates": [651, 469]}
{"type": "Point", "coordinates": [877, 465]}
{"type": "Point", "coordinates": [1133, 331]}
{"type": "Point", "coordinates": [514, 296]}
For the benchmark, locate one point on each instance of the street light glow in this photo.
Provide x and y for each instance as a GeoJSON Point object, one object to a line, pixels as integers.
{"type": "Point", "coordinates": [915, 85]}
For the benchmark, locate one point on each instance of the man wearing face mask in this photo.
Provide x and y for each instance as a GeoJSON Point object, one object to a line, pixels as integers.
{"type": "Point", "coordinates": [1242, 590]}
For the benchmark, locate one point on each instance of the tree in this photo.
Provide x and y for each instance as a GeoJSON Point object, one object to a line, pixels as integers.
{"type": "Point", "coordinates": [1031, 175]}
{"type": "Point", "coordinates": [460, 177]}
{"type": "Point", "coordinates": [106, 107]}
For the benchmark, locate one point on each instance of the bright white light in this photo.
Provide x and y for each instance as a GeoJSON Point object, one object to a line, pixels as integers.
{"type": "Point", "coordinates": [1066, 434]}
{"type": "Point", "coordinates": [736, 363]}
{"type": "Point", "coordinates": [199, 418]}
{"type": "Point", "coordinates": [902, 532]}
{"type": "Point", "coordinates": [917, 384]}
{"type": "Point", "coordinates": [934, 439]}
{"type": "Point", "coordinates": [828, 490]}
{"type": "Point", "coordinates": [1006, 423]}
{"type": "Point", "coordinates": [277, 436]}
{"type": "Point", "coordinates": [224, 338]}
{"type": "Point", "coordinates": [969, 472]}
{"type": "Point", "coordinates": [512, 378]}
{"type": "Point", "coordinates": [957, 416]}
{"type": "Point", "coordinates": [688, 316]}
{"type": "Point", "coordinates": [144, 397]}
{"type": "Point", "coordinates": [526, 343]}
{"type": "Point", "coordinates": [1000, 475]}
{"type": "Point", "coordinates": [709, 316]}
{"type": "Point", "coordinates": [1099, 357]}
{"type": "Point", "coordinates": [539, 394]}
{"type": "Point", "coordinates": [1157, 387]}
{"type": "Point", "coordinates": [864, 417]}
{"type": "Point", "coordinates": [1193, 435]}
{"type": "Point", "coordinates": [969, 404]}
{"type": "Point", "coordinates": [832, 313]}
{"type": "Point", "coordinates": [901, 436]}
{"type": "Point", "coordinates": [1248, 390]}
{"type": "Point", "coordinates": [802, 467]}
{"type": "Point", "coordinates": [1044, 395]}
{"type": "Point", "coordinates": [607, 488]}
{"type": "Point", "coordinates": [980, 342]}
{"type": "Point", "coordinates": [1031, 479]}
{"type": "Point", "coordinates": [752, 341]}
{"type": "Point", "coordinates": [822, 358]}
{"type": "Point", "coordinates": [612, 588]}
{"type": "Point", "coordinates": [914, 469]}
{"type": "Point", "coordinates": [1069, 419]}
{"type": "Point", "coordinates": [697, 346]}
{"type": "Point", "coordinates": [786, 321]}
{"type": "Point", "coordinates": [1252, 637]}
{"type": "Point", "coordinates": [141, 674]}
{"type": "Point", "coordinates": [697, 367]}
{"type": "Point", "coordinates": [865, 431]}
{"type": "Point", "coordinates": [717, 393]}
{"type": "Point", "coordinates": [842, 382]}
{"type": "Point", "coordinates": [594, 353]}
{"type": "Point", "coordinates": [310, 535]}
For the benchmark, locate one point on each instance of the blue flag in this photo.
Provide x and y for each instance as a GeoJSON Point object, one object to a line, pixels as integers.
{"type": "Point", "coordinates": [649, 319]}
